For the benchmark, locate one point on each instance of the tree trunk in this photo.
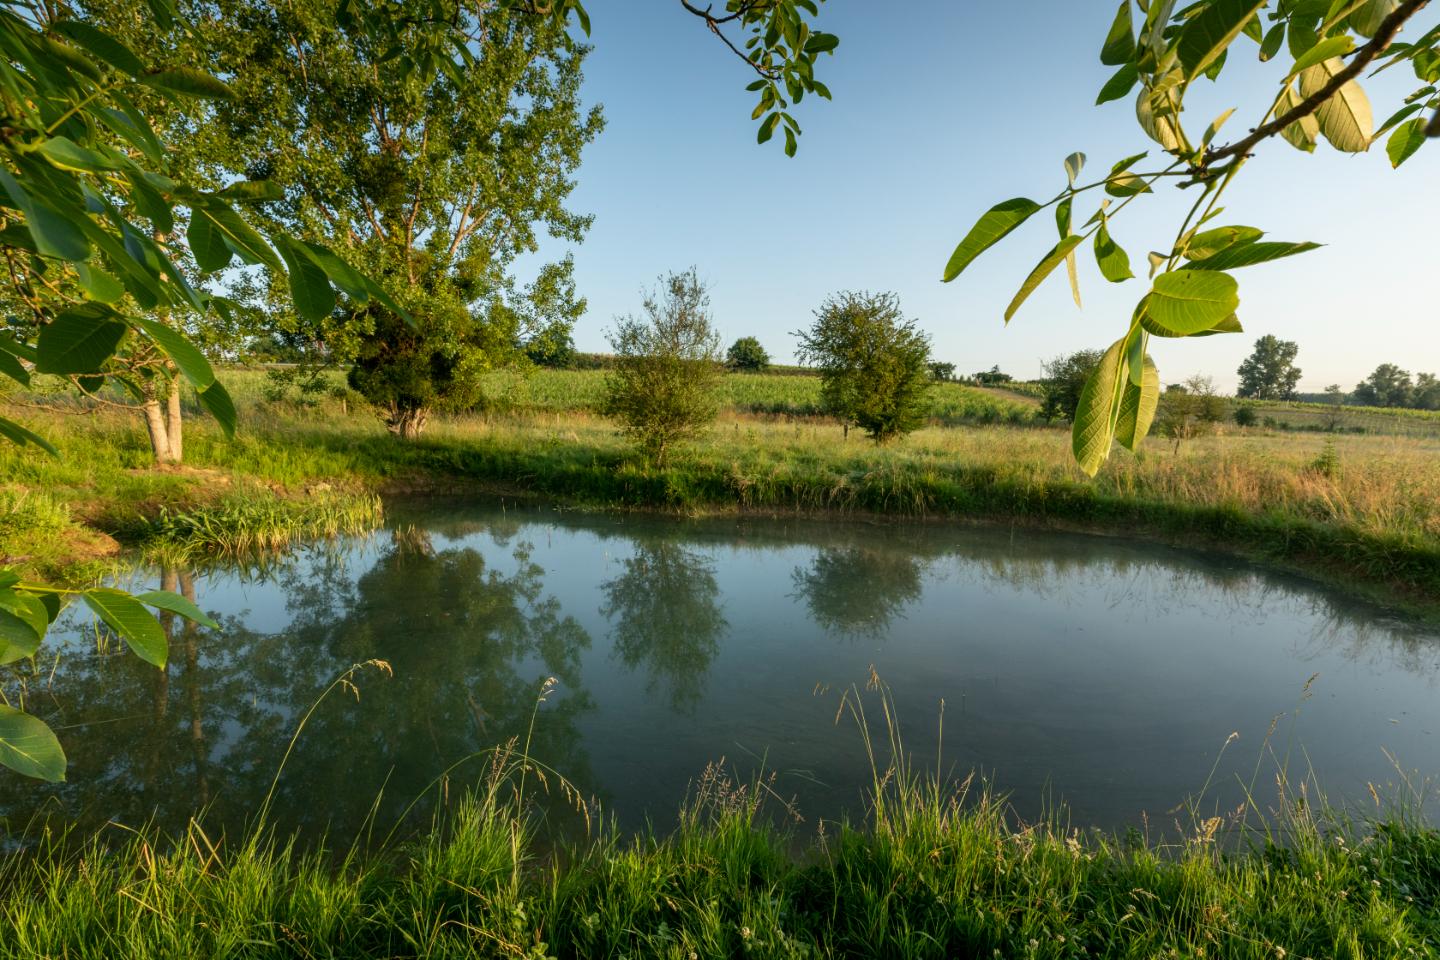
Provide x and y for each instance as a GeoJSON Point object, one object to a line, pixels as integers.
{"type": "Point", "coordinates": [155, 424]}
{"type": "Point", "coordinates": [173, 426]}
{"type": "Point", "coordinates": [407, 424]}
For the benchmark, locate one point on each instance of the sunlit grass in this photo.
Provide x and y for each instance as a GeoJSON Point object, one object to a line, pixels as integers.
{"type": "Point", "coordinates": [1373, 518]}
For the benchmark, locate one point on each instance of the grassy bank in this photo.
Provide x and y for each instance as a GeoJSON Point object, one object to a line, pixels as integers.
{"type": "Point", "coordinates": [1369, 515]}
{"type": "Point", "coordinates": [933, 873]}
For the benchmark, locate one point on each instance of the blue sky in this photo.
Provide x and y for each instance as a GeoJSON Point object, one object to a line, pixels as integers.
{"type": "Point", "coordinates": [937, 114]}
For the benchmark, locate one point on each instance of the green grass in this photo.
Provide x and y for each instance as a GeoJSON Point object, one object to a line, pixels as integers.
{"type": "Point", "coordinates": [1371, 518]}
{"type": "Point", "coordinates": [936, 870]}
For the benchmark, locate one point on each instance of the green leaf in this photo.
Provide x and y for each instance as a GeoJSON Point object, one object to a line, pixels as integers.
{"type": "Point", "coordinates": [1407, 138]}
{"type": "Point", "coordinates": [23, 621]}
{"type": "Point", "coordinates": [1163, 128]}
{"type": "Point", "coordinates": [207, 243]}
{"type": "Point", "coordinates": [19, 436]}
{"type": "Point", "coordinates": [55, 234]}
{"type": "Point", "coordinates": [1366, 20]}
{"type": "Point", "coordinates": [1094, 426]}
{"type": "Point", "coordinates": [66, 154]}
{"type": "Point", "coordinates": [252, 191]}
{"type": "Point", "coordinates": [102, 45]}
{"type": "Point", "coordinates": [1120, 42]}
{"type": "Point", "coordinates": [1073, 165]}
{"type": "Point", "coordinates": [29, 747]}
{"type": "Point", "coordinates": [1113, 261]}
{"type": "Point", "coordinates": [1230, 324]}
{"type": "Point", "coordinates": [190, 82]}
{"type": "Point", "coordinates": [187, 357]}
{"type": "Point", "coordinates": [78, 340]}
{"type": "Point", "coordinates": [129, 618]}
{"type": "Point", "coordinates": [1183, 302]}
{"type": "Point", "coordinates": [1215, 126]}
{"type": "Point", "coordinates": [214, 399]}
{"type": "Point", "coordinates": [1324, 50]}
{"type": "Point", "coordinates": [1119, 85]}
{"type": "Point", "coordinates": [239, 236]}
{"type": "Point", "coordinates": [1270, 46]}
{"type": "Point", "coordinates": [98, 285]}
{"type": "Point", "coordinates": [173, 602]}
{"type": "Point", "coordinates": [1398, 117]}
{"type": "Point", "coordinates": [992, 226]}
{"type": "Point", "coordinates": [767, 128]}
{"type": "Point", "coordinates": [1210, 242]}
{"type": "Point", "coordinates": [341, 274]}
{"type": "Point", "coordinates": [1303, 132]}
{"type": "Point", "coordinates": [1206, 37]}
{"type": "Point", "coordinates": [1137, 405]}
{"type": "Point", "coordinates": [1345, 119]}
{"type": "Point", "coordinates": [309, 284]}
{"type": "Point", "coordinates": [1042, 270]}
{"type": "Point", "coordinates": [1249, 254]}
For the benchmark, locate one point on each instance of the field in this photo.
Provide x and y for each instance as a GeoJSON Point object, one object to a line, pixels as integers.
{"type": "Point", "coordinates": [1368, 514]}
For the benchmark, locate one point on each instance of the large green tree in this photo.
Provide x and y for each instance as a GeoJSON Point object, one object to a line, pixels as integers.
{"type": "Point", "coordinates": [873, 363]}
{"type": "Point", "coordinates": [1387, 386]}
{"type": "Point", "coordinates": [1269, 373]}
{"type": "Point", "coordinates": [432, 175]}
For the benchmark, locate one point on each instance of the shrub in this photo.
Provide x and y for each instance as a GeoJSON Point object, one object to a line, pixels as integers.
{"type": "Point", "coordinates": [1063, 382]}
{"type": "Point", "coordinates": [1246, 417]}
{"type": "Point", "coordinates": [663, 386]}
{"type": "Point", "coordinates": [747, 354]}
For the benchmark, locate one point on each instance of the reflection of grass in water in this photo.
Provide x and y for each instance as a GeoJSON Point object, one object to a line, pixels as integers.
{"type": "Point", "coordinates": [937, 869]}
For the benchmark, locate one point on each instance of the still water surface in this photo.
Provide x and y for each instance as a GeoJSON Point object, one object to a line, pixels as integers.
{"type": "Point", "coordinates": [1100, 673]}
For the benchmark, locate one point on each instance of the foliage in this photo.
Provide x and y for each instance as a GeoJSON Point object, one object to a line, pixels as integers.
{"type": "Point", "coordinates": [1389, 386]}
{"type": "Point", "coordinates": [662, 389]}
{"type": "Point", "coordinates": [1190, 409]}
{"type": "Point", "coordinates": [1064, 382]}
{"type": "Point", "coordinates": [747, 354]}
{"type": "Point", "coordinates": [941, 371]}
{"type": "Point", "coordinates": [432, 176]}
{"type": "Point", "coordinates": [873, 363]}
{"type": "Point", "coordinates": [992, 377]}
{"type": "Point", "coordinates": [1245, 416]}
{"type": "Point", "coordinates": [1167, 50]}
{"type": "Point", "coordinates": [93, 249]}
{"type": "Point", "coordinates": [782, 48]}
{"type": "Point", "coordinates": [1269, 373]}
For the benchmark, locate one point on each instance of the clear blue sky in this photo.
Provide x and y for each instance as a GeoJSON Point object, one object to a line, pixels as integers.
{"type": "Point", "coordinates": [937, 114]}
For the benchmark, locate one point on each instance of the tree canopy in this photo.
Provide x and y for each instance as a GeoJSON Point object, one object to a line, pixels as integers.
{"type": "Point", "coordinates": [1269, 373]}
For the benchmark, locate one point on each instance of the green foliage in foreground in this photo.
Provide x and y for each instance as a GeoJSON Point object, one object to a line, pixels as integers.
{"type": "Point", "coordinates": [933, 874]}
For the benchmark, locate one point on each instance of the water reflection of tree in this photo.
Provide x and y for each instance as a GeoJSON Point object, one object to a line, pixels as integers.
{"type": "Point", "coordinates": [469, 642]}
{"type": "Point", "coordinates": [857, 592]}
{"type": "Point", "coordinates": [665, 615]}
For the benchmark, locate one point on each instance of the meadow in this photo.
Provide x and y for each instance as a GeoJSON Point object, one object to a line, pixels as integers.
{"type": "Point", "coordinates": [1359, 508]}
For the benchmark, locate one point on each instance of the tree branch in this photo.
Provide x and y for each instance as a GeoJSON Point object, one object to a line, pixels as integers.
{"type": "Point", "coordinates": [714, 24]}
{"type": "Point", "coordinates": [1389, 27]}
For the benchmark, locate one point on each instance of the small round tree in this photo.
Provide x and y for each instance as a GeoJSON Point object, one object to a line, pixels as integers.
{"type": "Point", "coordinates": [747, 354]}
{"type": "Point", "coordinates": [873, 363]}
{"type": "Point", "coordinates": [662, 387]}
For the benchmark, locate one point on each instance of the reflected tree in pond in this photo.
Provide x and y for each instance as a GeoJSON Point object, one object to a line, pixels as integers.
{"type": "Point", "coordinates": [470, 643]}
{"type": "Point", "coordinates": [857, 592]}
{"type": "Point", "coordinates": [665, 616]}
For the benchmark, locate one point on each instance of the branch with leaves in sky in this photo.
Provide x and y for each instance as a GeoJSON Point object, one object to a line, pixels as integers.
{"type": "Point", "coordinates": [1328, 45]}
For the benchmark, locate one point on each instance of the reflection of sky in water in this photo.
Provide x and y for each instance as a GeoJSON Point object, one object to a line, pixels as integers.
{"type": "Point", "coordinates": [1102, 672]}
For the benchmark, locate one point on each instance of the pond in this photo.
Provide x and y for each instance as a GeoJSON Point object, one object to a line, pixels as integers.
{"type": "Point", "coordinates": [1095, 673]}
